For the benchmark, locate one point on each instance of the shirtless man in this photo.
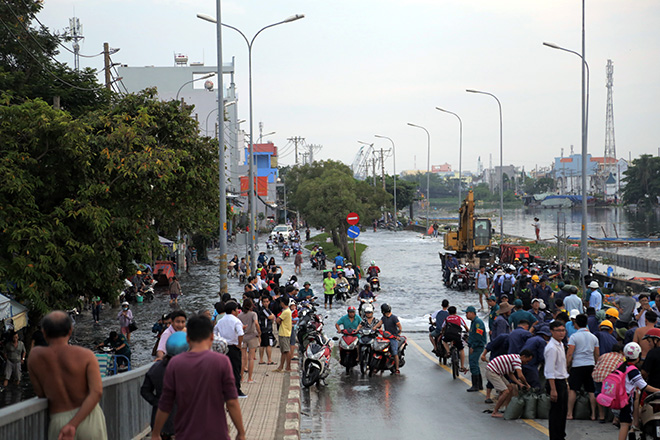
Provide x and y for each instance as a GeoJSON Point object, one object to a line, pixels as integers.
{"type": "Point", "coordinates": [69, 377]}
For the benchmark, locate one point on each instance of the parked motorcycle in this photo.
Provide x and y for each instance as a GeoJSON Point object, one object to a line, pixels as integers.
{"type": "Point", "coordinates": [381, 357]}
{"type": "Point", "coordinates": [650, 417]}
{"type": "Point", "coordinates": [348, 349]}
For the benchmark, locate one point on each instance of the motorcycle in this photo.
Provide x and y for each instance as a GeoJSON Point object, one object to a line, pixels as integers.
{"type": "Point", "coordinates": [375, 284]}
{"type": "Point", "coordinates": [286, 253]}
{"type": "Point", "coordinates": [460, 278]}
{"type": "Point", "coordinates": [366, 336]}
{"type": "Point", "coordinates": [440, 351]}
{"type": "Point", "coordinates": [381, 357]}
{"type": "Point", "coordinates": [650, 417]}
{"type": "Point", "coordinates": [342, 292]}
{"type": "Point", "coordinates": [348, 349]}
{"type": "Point", "coordinates": [315, 347]}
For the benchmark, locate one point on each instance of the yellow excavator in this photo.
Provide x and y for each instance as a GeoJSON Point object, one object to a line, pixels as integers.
{"type": "Point", "coordinates": [472, 241]}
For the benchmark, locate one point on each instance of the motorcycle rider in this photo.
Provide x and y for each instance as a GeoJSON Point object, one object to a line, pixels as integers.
{"type": "Point", "coordinates": [350, 276]}
{"type": "Point", "coordinates": [342, 282]}
{"type": "Point", "coordinates": [369, 320]}
{"type": "Point", "coordinates": [392, 325]}
{"type": "Point", "coordinates": [372, 271]}
{"type": "Point", "coordinates": [366, 294]}
{"type": "Point", "coordinates": [438, 319]}
{"type": "Point", "coordinates": [451, 332]}
{"type": "Point", "coordinates": [350, 321]}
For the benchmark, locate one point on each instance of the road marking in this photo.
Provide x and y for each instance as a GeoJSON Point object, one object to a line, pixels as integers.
{"type": "Point", "coordinates": [533, 423]}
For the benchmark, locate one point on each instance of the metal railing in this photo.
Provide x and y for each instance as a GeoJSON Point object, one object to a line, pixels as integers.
{"type": "Point", "coordinates": [127, 414]}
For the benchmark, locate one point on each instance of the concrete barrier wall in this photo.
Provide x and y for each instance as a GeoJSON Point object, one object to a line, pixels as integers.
{"type": "Point", "coordinates": [631, 262]}
{"type": "Point", "coordinates": [127, 415]}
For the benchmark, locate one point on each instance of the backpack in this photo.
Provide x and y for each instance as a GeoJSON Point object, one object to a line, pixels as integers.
{"type": "Point", "coordinates": [613, 394]}
{"type": "Point", "coordinates": [507, 284]}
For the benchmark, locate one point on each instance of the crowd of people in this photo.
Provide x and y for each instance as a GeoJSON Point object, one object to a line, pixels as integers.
{"type": "Point", "coordinates": [552, 339]}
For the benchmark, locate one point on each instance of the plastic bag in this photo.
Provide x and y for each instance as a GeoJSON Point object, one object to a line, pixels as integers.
{"type": "Point", "coordinates": [582, 410]}
{"type": "Point", "coordinates": [515, 408]}
{"type": "Point", "coordinates": [543, 406]}
{"type": "Point", "coordinates": [531, 401]}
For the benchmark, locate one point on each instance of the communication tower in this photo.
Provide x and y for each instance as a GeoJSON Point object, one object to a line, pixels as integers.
{"type": "Point", "coordinates": [610, 148]}
{"type": "Point", "coordinates": [75, 34]}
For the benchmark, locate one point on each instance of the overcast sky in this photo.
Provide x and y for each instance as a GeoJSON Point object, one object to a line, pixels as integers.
{"type": "Point", "coordinates": [352, 69]}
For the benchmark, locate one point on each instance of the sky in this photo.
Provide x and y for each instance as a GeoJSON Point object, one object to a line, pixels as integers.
{"type": "Point", "coordinates": [353, 69]}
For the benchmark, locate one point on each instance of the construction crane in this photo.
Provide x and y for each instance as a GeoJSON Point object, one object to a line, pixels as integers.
{"type": "Point", "coordinates": [360, 163]}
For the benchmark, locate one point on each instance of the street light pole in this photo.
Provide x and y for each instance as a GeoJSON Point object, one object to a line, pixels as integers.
{"type": "Point", "coordinates": [499, 104]}
{"type": "Point", "coordinates": [460, 153]}
{"type": "Point", "coordinates": [428, 174]}
{"type": "Point", "coordinates": [251, 197]}
{"type": "Point", "coordinates": [396, 220]}
{"type": "Point", "coordinates": [584, 258]}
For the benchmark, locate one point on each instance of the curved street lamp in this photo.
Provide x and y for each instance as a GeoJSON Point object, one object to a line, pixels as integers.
{"type": "Point", "coordinates": [251, 197]}
{"type": "Point", "coordinates": [499, 104]}
{"type": "Point", "coordinates": [460, 153]}
{"type": "Point", "coordinates": [191, 81]}
{"type": "Point", "coordinates": [584, 258]}
{"type": "Point", "coordinates": [428, 173]}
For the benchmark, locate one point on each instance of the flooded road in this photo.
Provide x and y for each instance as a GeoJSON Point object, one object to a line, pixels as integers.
{"type": "Point", "coordinates": [424, 401]}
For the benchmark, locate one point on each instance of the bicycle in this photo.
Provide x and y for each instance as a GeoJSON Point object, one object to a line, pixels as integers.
{"type": "Point", "coordinates": [455, 358]}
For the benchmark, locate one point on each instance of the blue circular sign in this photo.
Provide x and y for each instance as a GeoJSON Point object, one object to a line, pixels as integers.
{"type": "Point", "coordinates": [353, 232]}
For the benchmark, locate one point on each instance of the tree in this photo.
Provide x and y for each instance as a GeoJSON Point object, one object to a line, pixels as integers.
{"type": "Point", "coordinates": [82, 198]}
{"type": "Point", "coordinates": [28, 68]}
{"type": "Point", "coordinates": [642, 180]}
{"type": "Point", "coordinates": [406, 191]}
{"type": "Point", "coordinates": [326, 191]}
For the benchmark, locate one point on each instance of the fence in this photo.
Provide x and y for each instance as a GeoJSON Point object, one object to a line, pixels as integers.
{"type": "Point", "coordinates": [127, 414]}
{"type": "Point", "coordinates": [640, 264]}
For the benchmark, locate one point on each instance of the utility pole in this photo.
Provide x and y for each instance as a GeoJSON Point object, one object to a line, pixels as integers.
{"type": "Point", "coordinates": [106, 63]}
{"type": "Point", "coordinates": [373, 164]}
{"type": "Point", "coordinates": [296, 140]}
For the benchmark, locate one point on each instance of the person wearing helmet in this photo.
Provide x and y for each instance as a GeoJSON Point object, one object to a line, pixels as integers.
{"type": "Point", "coordinates": [634, 380]}
{"type": "Point", "coordinates": [125, 318]}
{"type": "Point", "coordinates": [594, 296]}
{"type": "Point", "coordinates": [152, 387]}
{"type": "Point", "coordinates": [390, 323]}
{"type": "Point", "coordinates": [369, 320]}
{"type": "Point", "coordinates": [350, 321]}
{"type": "Point", "coordinates": [372, 270]}
{"type": "Point", "coordinates": [651, 367]}
{"type": "Point", "coordinates": [606, 339]}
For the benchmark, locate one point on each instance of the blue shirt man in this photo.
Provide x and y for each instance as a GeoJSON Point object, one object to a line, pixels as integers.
{"type": "Point", "coordinates": [518, 337]}
{"type": "Point", "coordinates": [339, 261]}
{"type": "Point", "coordinates": [573, 302]}
{"type": "Point", "coordinates": [536, 344]}
{"type": "Point", "coordinates": [520, 314]}
{"type": "Point", "coordinates": [596, 299]}
{"type": "Point", "coordinates": [350, 321]}
{"type": "Point", "coordinates": [606, 340]}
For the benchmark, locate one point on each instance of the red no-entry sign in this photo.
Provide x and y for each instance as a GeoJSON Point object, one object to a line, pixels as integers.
{"type": "Point", "coordinates": [352, 218]}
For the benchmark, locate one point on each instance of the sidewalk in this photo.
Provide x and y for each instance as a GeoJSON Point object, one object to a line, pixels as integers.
{"type": "Point", "coordinates": [272, 409]}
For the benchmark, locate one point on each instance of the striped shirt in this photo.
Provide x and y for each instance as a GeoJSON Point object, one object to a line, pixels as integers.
{"type": "Point", "coordinates": [505, 364]}
{"type": "Point", "coordinates": [606, 364]}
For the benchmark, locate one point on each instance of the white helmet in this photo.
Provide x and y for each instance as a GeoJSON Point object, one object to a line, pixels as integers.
{"type": "Point", "coordinates": [368, 308]}
{"type": "Point", "coordinates": [373, 263]}
{"type": "Point", "coordinates": [632, 350]}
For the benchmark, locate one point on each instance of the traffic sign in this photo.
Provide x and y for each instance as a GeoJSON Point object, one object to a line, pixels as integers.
{"type": "Point", "coordinates": [352, 218]}
{"type": "Point", "coordinates": [353, 232]}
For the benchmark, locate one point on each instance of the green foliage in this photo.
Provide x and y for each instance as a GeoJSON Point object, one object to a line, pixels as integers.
{"type": "Point", "coordinates": [539, 186]}
{"type": "Point", "coordinates": [28, 69]}
{"type": "Point", "coordinates": [406, 191]}
{"type": "Point", "coordinates": [80, 199]}
{"type": "Point", "coordinates": [438, 186]}
{"type": "Point", "coordinates": [325, 192]}
{"type": "Point", "coordinates": [331, 250]}
{"type": "Point", "coordinates": [642, 181]}
{"type": "Point", "coordinates": [482, 193]}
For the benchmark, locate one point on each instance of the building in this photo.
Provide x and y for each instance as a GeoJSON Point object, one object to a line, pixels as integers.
{"type": "Point", "coordinates": [195, 85]}
{"type": "Point", "coordinates": [568, 174]}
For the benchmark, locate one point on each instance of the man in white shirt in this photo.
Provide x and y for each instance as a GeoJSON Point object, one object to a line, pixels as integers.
{"type": "Point", "coordinates": [573, 301]}
{"type": "Point", "coordinates": [231, 329]}
{"type": "Point", "coordinates": [556, 374]}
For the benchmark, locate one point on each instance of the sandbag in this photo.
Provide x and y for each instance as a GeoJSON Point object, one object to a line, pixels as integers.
{"type": "Point", "coordinates": [582, 410]}
{"type": "Point", "coordinates": [543, 406]}
{"type": "Point", "coordinates": [515, 408]}
{"type": "Point", "coordinates": [531, 400]}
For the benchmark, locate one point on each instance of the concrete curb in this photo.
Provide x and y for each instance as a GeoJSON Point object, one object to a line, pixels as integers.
{"type": "Point", "coordinates": [292, 412]}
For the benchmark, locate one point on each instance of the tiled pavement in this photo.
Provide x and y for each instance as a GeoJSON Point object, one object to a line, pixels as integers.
{"type": "Point", "coordinates": [272, 409]}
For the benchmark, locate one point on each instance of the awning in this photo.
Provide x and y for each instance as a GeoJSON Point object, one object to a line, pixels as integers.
{"type": "Point", "coordinates": [165, 242]}
{"type": "Point", "coordinates": [10, 309]}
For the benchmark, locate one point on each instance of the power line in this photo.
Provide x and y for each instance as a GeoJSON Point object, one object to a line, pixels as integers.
{"type": "Point", "coordinates": [40, 64]}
